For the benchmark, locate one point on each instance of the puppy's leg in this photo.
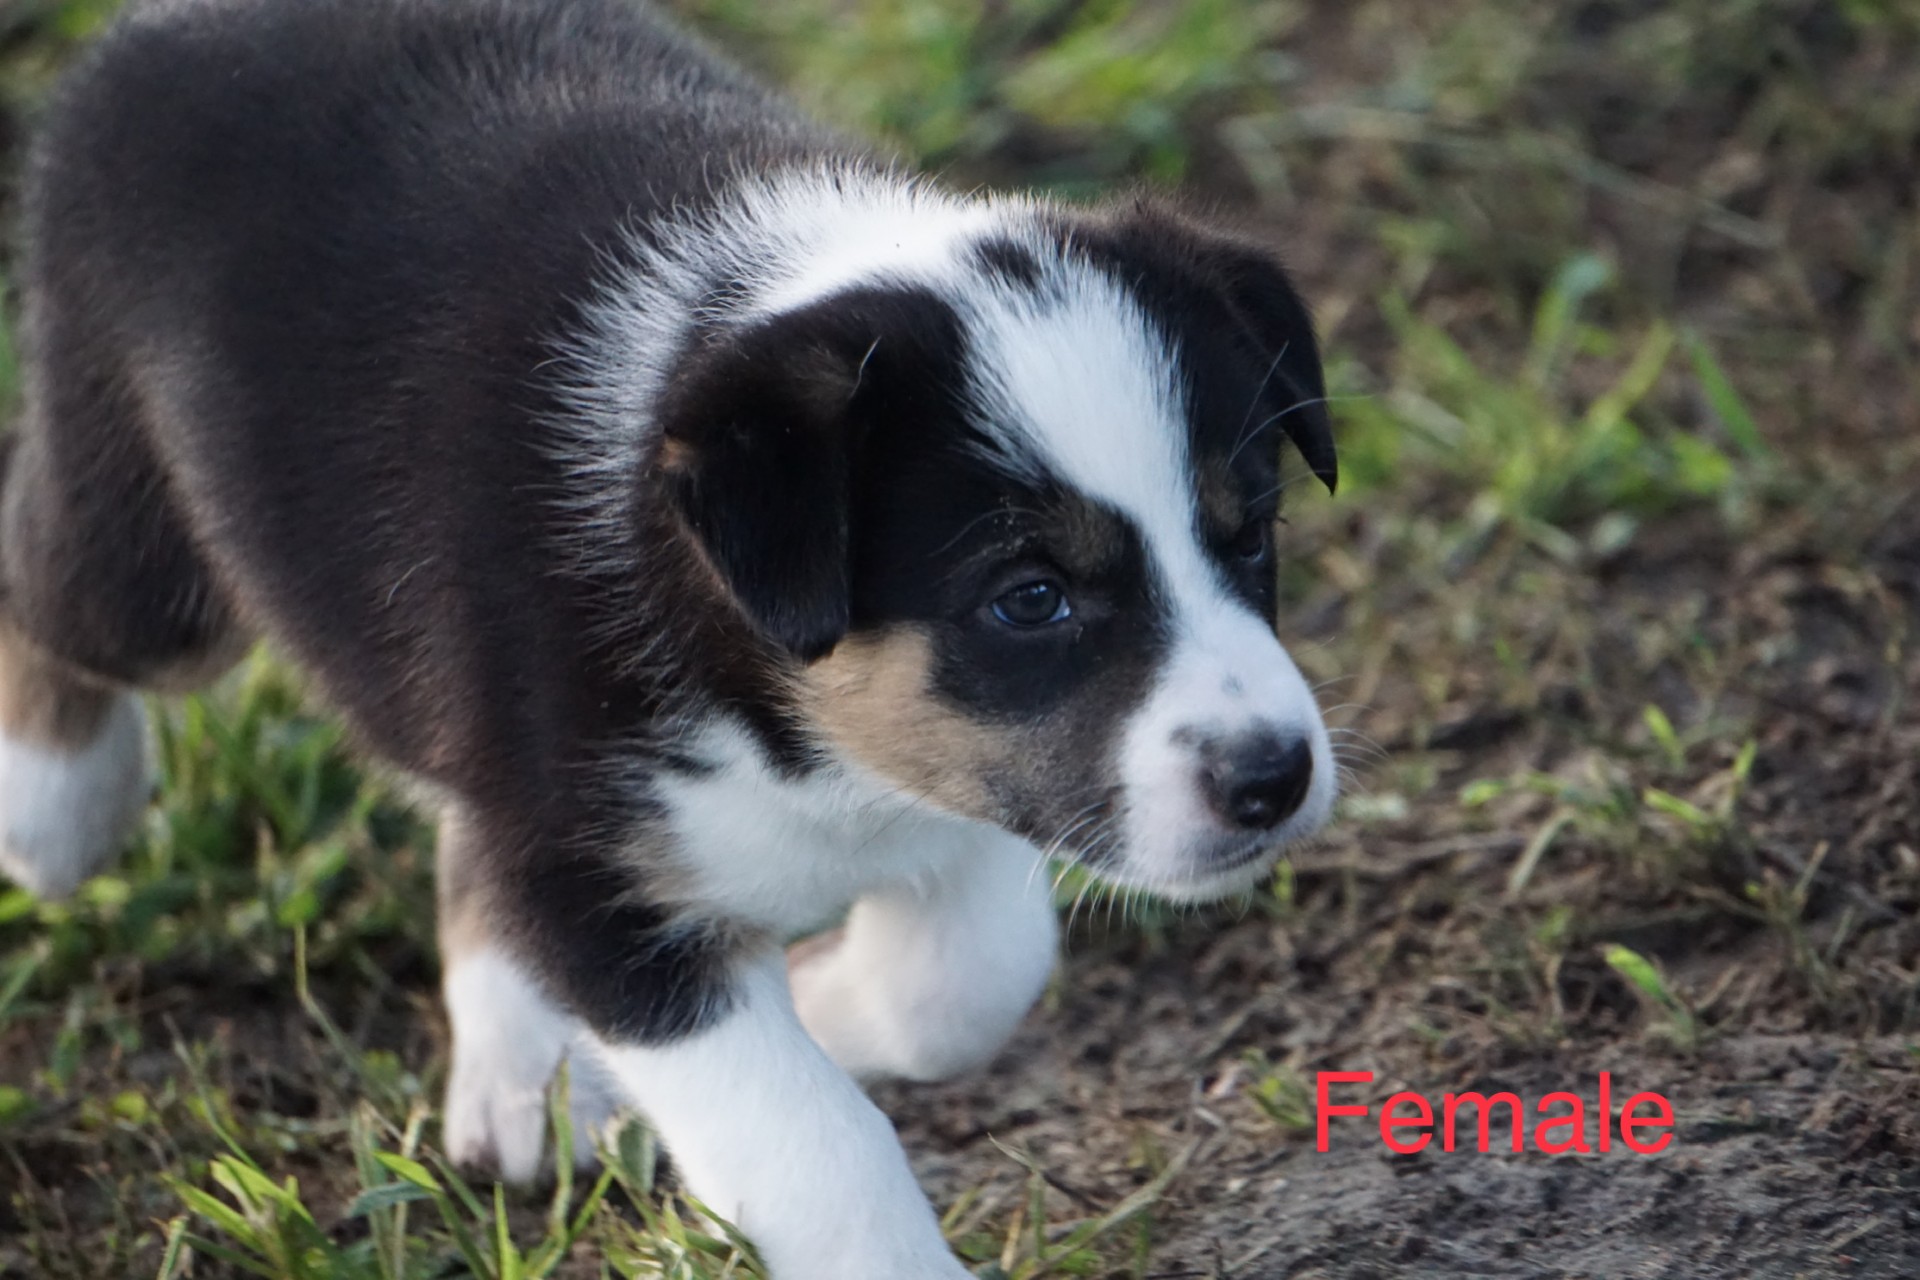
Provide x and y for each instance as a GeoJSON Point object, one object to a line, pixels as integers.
{"type": "Point", "coordinates": [509, 1037]}
{"type": "Point", "coordinates": [769, 1133]}
{"type": "Point", "coordinates": [74, 775]}
{"type": "Point", "coordinates": [693, 1021]}
{"type": "Point", "coordinates": [100, 591]}
{"type": "Point", "coordinates": [929, 979]}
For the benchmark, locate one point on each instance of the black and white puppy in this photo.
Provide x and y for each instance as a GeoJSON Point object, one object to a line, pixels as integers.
{"type": "Point", "coordinates": [727, 529]}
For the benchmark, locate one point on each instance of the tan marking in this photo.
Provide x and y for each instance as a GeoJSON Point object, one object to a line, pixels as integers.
{"type": "Point", "coordinates": [45, 702]}
{"type": "Point", "coordinates": [675, 455]}
{"type": "Point", "coordinates": [873, 698]}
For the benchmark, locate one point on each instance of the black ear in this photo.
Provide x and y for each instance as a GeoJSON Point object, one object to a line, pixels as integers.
{"type": "Point", "coordinates": [765, 427]}
{"type": "Point", "coordinates": [1261, 295]}
{"type": "Point", "coordinates": [756, 448]}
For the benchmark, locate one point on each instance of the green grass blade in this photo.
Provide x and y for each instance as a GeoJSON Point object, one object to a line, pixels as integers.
{"type": "Point", "coordinates": [1724, 399]}
{"type": "Point", "coordinates": [174, 1254]}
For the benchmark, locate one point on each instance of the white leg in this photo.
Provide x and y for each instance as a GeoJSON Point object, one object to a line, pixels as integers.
{"type": "Point", "coordinates": [66, 809]}
{"type": "Point", "coordinates": [929, 979]}
{"type": "Point", "coordinates": [771, 1135]}
{"type": "Point", "coordinates": [508, 1042]}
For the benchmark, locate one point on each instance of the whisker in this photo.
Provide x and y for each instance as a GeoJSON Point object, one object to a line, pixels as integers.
{"type": "Point", "coordinates": [1286, 483]}
{"type": "Point", "coordinates": [1247, 434]}
{"type": "Point", "coordinates": [1072, 828]}
{"type": "Point", "coordinates": [1352, 784]}
{"type": "Point", "coordinates": [1308, 403]}
{"type": "Point", "coordinates": [1341, 736]}
{"type": "Point", "coordinates": [1360, 755]}
{"type": "Point", "coordinates": [974, 523]}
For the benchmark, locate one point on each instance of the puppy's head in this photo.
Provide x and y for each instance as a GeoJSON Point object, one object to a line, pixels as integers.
{"type": "Point", "coordinates": [1010, 499]}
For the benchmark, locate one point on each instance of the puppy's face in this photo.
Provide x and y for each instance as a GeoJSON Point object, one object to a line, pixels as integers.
{"type": "Point", "coordinates": [1017, 514]}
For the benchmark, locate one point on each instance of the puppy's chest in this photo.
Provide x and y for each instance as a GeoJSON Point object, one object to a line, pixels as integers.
{"type": "Point", "coordinates": [790, 853]}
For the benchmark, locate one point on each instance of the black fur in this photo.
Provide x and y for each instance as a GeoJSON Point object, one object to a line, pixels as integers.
{"type": "Point", "coordinates": [773, 420]}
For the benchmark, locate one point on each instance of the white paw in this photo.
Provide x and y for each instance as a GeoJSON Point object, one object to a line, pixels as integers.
{"type": "Point", "coordinates": [497, 1119]}
{"type": "Point", "coordinates": [508, 1045]}
{"type": "Point", "coordinates": [890, 996]}
{"type": "Point", "coordinates": [64, 814]}
{"type": "Point", "coordinates": [826, 996]}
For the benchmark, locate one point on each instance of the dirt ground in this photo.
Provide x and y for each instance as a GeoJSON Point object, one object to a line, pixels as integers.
{"type": "Point", "coordinates": [1789, 1158]}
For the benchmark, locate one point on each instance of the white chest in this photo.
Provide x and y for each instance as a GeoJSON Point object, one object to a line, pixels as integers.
{"type": "Point", "coordinates": [791, 855]}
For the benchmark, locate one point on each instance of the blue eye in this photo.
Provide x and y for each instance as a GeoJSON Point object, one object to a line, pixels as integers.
{"type": "Point", "coordinates": [1033, 604]}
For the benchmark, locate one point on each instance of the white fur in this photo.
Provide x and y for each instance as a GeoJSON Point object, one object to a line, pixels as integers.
{"type": "Point", "coordinates": [508, 1042]}
{"type": "Point", "coordinates": [63, 814]}
{"type": "Point", "coordinates": [1074, 377]}
{"type": "Point", "coordinates": [929, 978]}
{"type": "Point", "coordinates": [771, 1135]}
{"type": "Point", "coordinates": [789, 855]}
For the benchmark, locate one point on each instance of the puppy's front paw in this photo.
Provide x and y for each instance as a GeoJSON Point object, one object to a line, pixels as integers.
{"type": "Point", "coordinates": [826, 994]}
{"type": "Point", "coordinates": [497, 1108]}
{"type": "Point", "coordinates": [508, 1043]}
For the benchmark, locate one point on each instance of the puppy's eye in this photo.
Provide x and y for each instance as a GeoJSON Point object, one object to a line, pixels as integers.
{"type": "Point", "coordinates": [1033, 604]}
{"type": "Point", "coordinates": [1253, 540]}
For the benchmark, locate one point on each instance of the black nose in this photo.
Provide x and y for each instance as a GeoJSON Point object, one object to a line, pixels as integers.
{"type": "Point", "coordinates": [1256, 782]}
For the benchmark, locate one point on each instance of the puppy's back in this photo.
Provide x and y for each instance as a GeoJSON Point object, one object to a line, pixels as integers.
{"type": "Point", "coordinates": [330, 249]}
{"type": "Point", "coordinates": [317, 132]}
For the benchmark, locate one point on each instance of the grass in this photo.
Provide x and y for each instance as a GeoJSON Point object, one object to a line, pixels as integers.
{"type": "Point", "coordinates": [1674, 1020]}
{"type": "Point", "coordinates": [1619, 300]}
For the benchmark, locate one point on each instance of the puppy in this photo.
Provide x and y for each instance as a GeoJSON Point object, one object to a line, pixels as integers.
{"type": "Point", "coordinates": [732, 532]}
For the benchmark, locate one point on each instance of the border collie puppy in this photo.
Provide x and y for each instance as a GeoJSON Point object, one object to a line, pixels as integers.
{"type": "Point", "coordinates": [730, 532]}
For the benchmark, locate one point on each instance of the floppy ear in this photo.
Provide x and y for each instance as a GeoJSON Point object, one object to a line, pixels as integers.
{"type": "Point", "coordinates": [757, 442]}
{"type": "Point", "coordinates": [764, 428]}
{"type": "Point", "coordinates": [1261, 295]}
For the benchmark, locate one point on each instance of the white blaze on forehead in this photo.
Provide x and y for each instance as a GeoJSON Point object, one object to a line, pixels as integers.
{"type": "Point", "coordinates": [1075, 377]}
